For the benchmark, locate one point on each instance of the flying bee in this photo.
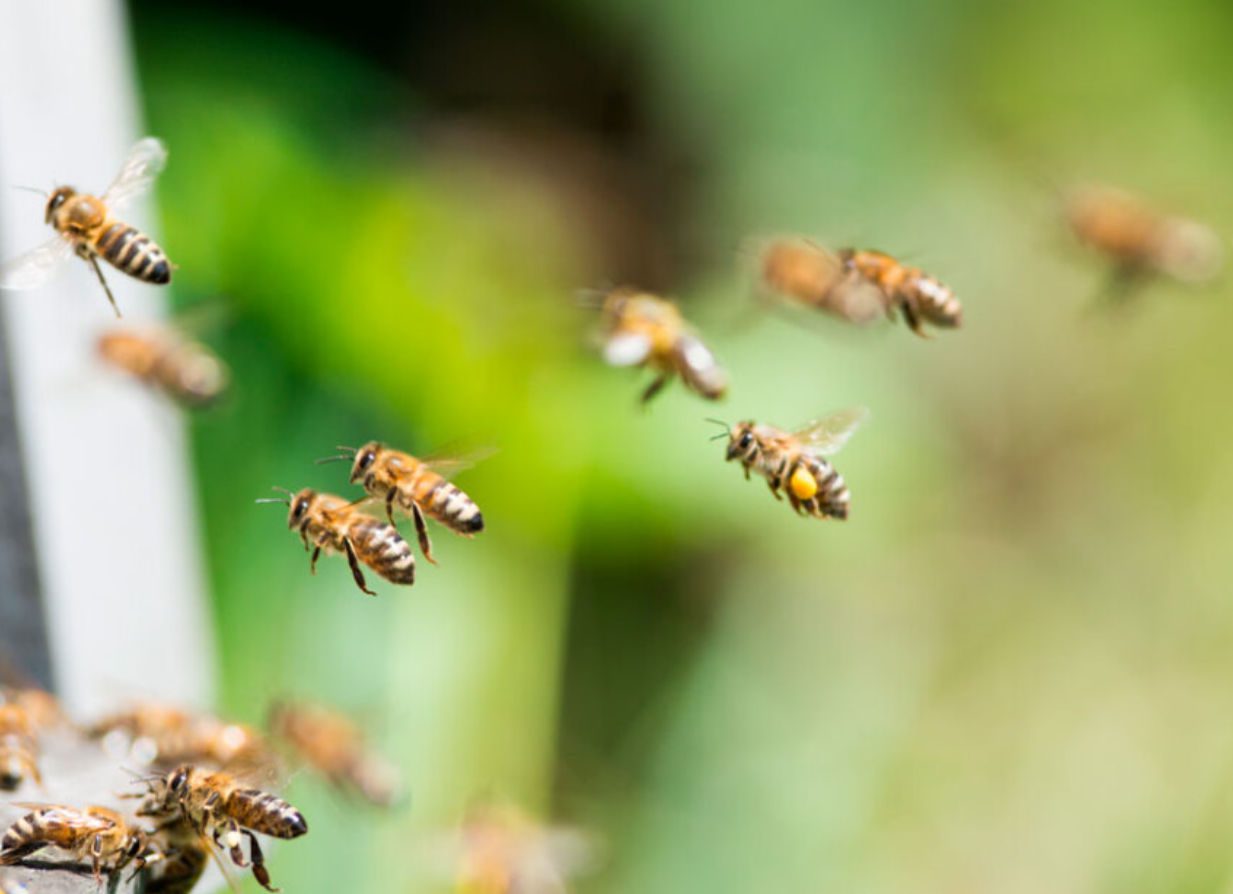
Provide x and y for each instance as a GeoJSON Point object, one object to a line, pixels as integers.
{"type": "Point", "coordinates": [418, 487]}
{"type": "Point", "coordinates": [330, 523]}
{"type": "Point", "coordinates": [640, 329]}
{"type": "Point", "coordinates": [86, 225]}
{"type": "Point", "coordinates": [98, 834]}
{"type": "Point", "coordinates": [18, 748]}
{"type": "Point", "coordinates": [186, 371]}
{"type": "Point", "coordinates": [221, 808]}
{"type": "Point", "coordinates": [1140, 240]}
{"type": "Point", "coordinates": [335, 747]}
{"type": "Point", "coordinates": [503, 851]}
{"type": "Point", "coordinates": [855, 284]}
{"type": "Point", "coordinates": [793, 463]}
{"type": "Point", "coordinates": [176, 737]}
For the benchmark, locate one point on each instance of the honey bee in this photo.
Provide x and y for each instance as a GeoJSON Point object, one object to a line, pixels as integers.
{"type": "Point", "coordinates": [219, 807]}
{"type": "Point", "coordinates": [506, 852]}
{"type": "Point", "coordinates": [793, 463]}
{"type": "Point", "coordinates": [332, 524]}
{"type": "Point", "coordinates": [186, 371]}
{"type": "Point", "coordinates": [95, 833]}
{"type": "Point", "coordinates": [18, 748]}
{"type": "Point", "coordinates": [640, 329]}
{"type": "Point", "coordinates": [417, 487]}
{"type": "Point", "coordinates": [857, 285]}
{"type": "Point", "coordinates": [86, 225]}
{"type": "Point", "coordinates": [178, 737]}
{"type": "Point", "coordinates": [184, 857]}
{"type": "Point", "coordinates": [335, 747]}
{"type": "Point", "coordinates": [1140, 240]}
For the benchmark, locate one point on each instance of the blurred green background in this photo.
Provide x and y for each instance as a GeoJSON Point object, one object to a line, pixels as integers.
{"type": "Point", "coordinates": [1011, 669]}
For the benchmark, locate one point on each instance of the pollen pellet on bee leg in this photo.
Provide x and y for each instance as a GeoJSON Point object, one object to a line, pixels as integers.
{"type": "Point", "coordinates": [803, 484]}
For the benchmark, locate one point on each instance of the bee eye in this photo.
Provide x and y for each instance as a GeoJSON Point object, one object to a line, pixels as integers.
{"type": "Point", "coordinates": [746, 440]}
{"type": "Point", "coordinates": [301, 507]}
{"type": "Point", "coordinates": [367, 458]}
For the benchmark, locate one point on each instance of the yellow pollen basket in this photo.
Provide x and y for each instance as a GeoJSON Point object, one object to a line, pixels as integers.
{"type": "Point", "coordinates": [803, 484]}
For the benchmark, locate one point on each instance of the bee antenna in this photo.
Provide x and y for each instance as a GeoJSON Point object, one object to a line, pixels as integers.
{"type": "Point", "coordinates": [345, 449]}
{"type": "Point", "coordinates": [41, 192]}
{"type": "Point", "coordinates": [286, 501]}
{"type": "Point", "coordinates": [341, 457]}
{"type": "Point", "coordinates": [593, 298]}
{"type": "Point", "coordinates": [718, 422]}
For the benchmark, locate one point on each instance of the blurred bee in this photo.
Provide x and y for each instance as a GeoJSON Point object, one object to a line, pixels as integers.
{"type": "Point", "coordinates": [86, 225]}
{"type": "Point", "coordinates": [335, 747]}
{"type": "Point", "coordinates": [186, 371]}
{"type": "Point", "coordinates": [856, 285]}
{"type": "Point", "coordinates": [173, 736]}
{"type": "Point", "coordinates": [224, 810]}
{"type": "Point", "coordinates": [418, 487]}
{"type": "Point", "coordinates": [41, 708]}
{"type": "Point", "coordinates": [793, 463]}
{"type": "Point", "coordinates": [1139, 240]}
{"type": "Point", "coordinates": [18, 748]}
{"type": "Point", "coordinates": [98, 834]}
{"type": "Point", "coordinates": [185, 855]}
{"type": "Point", "coordinates": [640, 329]}
{"type": "Point", "coordinates": [331, 523]}
{"type": "Point", "coordinates": [503, 851]}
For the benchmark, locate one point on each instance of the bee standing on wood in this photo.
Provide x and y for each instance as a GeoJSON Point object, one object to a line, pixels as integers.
{"type": "Point", "coordinates": [640, 329]}
{"type": "Point", "coordinates": [186, 371]}
{"type": "Point", "coordinates": [417, 487]}
{"type": "Point", "coordinates": [330, 523]}
{"type": "Point", "coordinates": [221, 808]}
{"type": "Point", "coordinates": [857, 285]}
{"type": "Point", "coordinates": [1139, 240]}
{"type": "Point", "coordinates": [97, 834]}
{"type": "Point", "coordinates": [335, 747]}
{"type": "Point", "coordinates": [86, 225]}
{"type": "Point", "coordinates": [793, 463]}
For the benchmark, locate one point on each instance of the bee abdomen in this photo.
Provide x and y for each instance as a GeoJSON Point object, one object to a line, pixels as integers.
{"type": "Point", "coordinates": [132, 252]}
{"type": "Point", "coordinates": [382, 548]}
{"type": "Point", "coordinates": [832, 499]}
{"type": "Point", "coordinates": [25, 835]}
{"type": "Point", "coordinates": [266, 813]}
{"type": "Point", "coordinates": [448, 504]}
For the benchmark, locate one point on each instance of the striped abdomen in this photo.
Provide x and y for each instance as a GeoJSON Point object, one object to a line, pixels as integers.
{"type": "Point", "coordinates": [932, 301]}
{"type": "Point", "coordinates": [380, 547]}
{"type": "Point", "coordinates": [446, 502]}
{"type": "Point", "coordinates": [58, 826]}
{"type": "Point", "coordinates": [132, 252]}
{"type": "Point", "coordinates": [265, 813]}
{"type": "Point", "coordinates": [830, 499]}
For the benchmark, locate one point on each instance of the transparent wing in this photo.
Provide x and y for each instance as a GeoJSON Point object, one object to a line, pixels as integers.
{"type": "Point", "coordinates": [35, 267]}
{"type": "Point", "coordinates": [828, 435]}
{"type": "Point", "coordinates": [627, 349]}
{"type": "Point", "coordinates": [857, 300]}
{"type": "Point", "coordinates": [145, 162]}
{"type": "Point", "coordinates": [448, 462]}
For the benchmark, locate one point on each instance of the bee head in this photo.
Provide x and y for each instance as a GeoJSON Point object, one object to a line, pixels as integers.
{"type": "Point", "coordinates": [177, 781]}
{"type": "Point", "coordinates": [742, 442]}
{"type": "Point", "coordinates": [58, 197]}
{"type": "Point", "coordinates": [300, 504]}
{"type": "Point", "coordinates": [364, 458]}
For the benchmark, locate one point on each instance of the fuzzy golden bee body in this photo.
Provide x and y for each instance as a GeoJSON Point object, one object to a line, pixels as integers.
{"type": "Point", "coordinates": [86, 225]}
{"type": "Point", "coordinates": [179, 737]}
{"type": "Point", "coordinates": [335, 747]}
{"type": "Point", "coordinates": [793, 463]}
{"type": "Point", "coordinates": [97, 834]}
{"type": "Point", "coordinates": [329, 523]}
{"type": "Point", "coordinates": [18, 747]}
{"type": "Point", "coordinates": [418, 488]}
{"type": "Point", "coordinates": [1139, 239]}
{"type": "Point", "coordinates": [857, 285]}
{"type": "Point", "coordinates": [221, 808]}
{"type": "Point", "coordinates": [640, 329]}
{"type": "Point", "coordinates": [186, 371]}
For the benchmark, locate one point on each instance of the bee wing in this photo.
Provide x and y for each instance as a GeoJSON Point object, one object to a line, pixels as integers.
{"type": "Point", "coordinates": [448, 463]}
{"type": "Point", "coordinates": [699, 364]}
{"type": "Point", "coordinates": [32, 269]}
{"type": "Point", "coordinates": [627, 348]}
{"type": "Point", "coordinates": [828, 435]}
{"type": "Point", "coordinates": [145, 162]}
{"type": "Point", "coordinates": [857, 300]}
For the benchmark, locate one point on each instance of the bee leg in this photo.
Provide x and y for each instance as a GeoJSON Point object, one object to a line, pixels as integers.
{"type": "Point", "coordinates": [312, 563]}
{"type": "Point", "coordinates": [258, 859]}
{"type": "Point", "coordinates": [774, 484]}
{"type": "Point", "coordinates": [354, 562]}
{"type": "Point", "coordinates": [96, 853]}
{"type": "Point", "coordinates": [421, 531]}
{"type": "Point", "coordinates": [389, 506]}
{"type": "Point", "coordinates": [98, 271]}
{"type": "Point", "coordinates": [909, 314]}
{"type": "Point", "coordinates": [304, 535]}
{"type": "Point", "coordinates": [654, 388]}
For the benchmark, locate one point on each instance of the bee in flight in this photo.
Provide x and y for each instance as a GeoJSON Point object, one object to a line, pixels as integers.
{"type": "Point", "coordinates": [186, 371]}
{"type": "Point", "coordinates": [857, 285]}
{"type": "Point", "coordinates": [86, 225]}
{"type": "Point", "coordinates": [176, 737]}
{"type": "Point", "coordinates": [793, 463]}
{"type": "Point", "coordinates": [330, 523]}
{"type": "Point", "coordinates": [334, 746]}
{"type": "Point", "coordinates": [97, 834]}
{"type": "Point", "coordinates": [1139, 240]}
{"type": "Point", "coordinates": [640, 329]}
{"type": "Point", "coordinates": [417, 487]}
{"type": "Point", "coordinates": [221, 808]}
